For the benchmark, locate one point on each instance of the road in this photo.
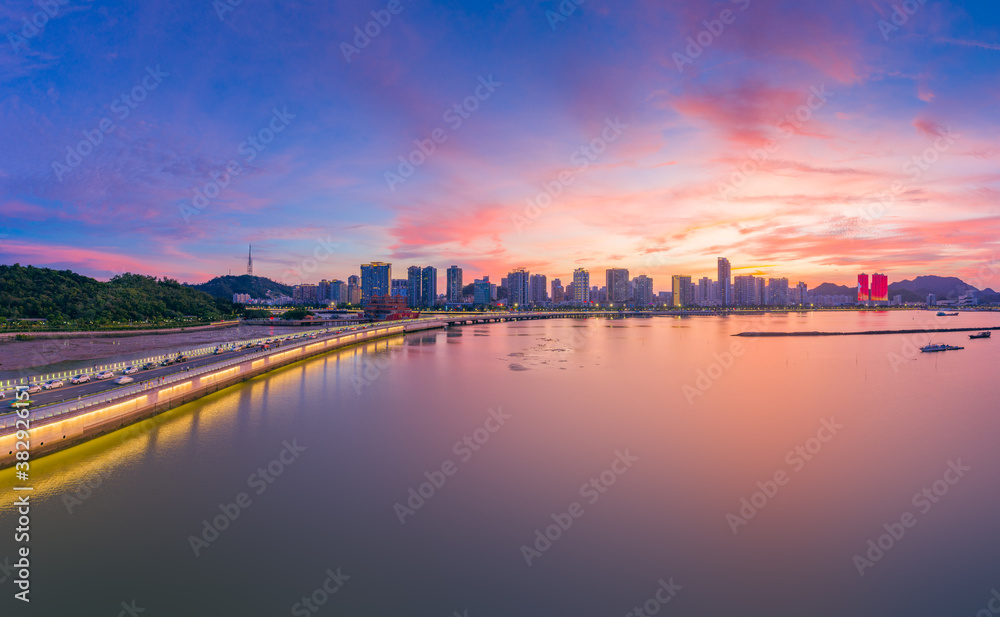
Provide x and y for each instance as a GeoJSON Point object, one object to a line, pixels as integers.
{"type": "Point", "coordinates": [95, 386]}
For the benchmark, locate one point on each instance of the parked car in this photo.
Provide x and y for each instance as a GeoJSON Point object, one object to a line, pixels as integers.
{"type": "Point", "coordinates": [149, 366]}
{"type": "Point", "coordinates": [124, 379]}
{"type": "Point", "coordinates": [130, 370]}
{"type": "Point", "coordinates": [82, 378]}
{"type": "Point", "coordinates": [34, 388]}
{"type": "Point", "coordinates": [53, 383]}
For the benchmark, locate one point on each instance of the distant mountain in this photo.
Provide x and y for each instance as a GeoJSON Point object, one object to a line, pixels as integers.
{"type": "Point", "coordinates": [944, 287]}
{"type": "Point", "coordinates": [62, 295]}
{"type": "Point", "coordinates": [941, 286]}
{"type": "Point", "coordinates": [257, 286]}
{"type": "Point", "coordinates": [830, 289]}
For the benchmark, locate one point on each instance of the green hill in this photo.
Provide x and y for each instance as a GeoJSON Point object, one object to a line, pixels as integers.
{"type": "Point", "coordinates": [257, 286]}
{"type": "Point", "coordinates": [62, 295]}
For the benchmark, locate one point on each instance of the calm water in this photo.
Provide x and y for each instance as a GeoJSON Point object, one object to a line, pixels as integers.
{"type": "Point", "coordinates": [112, 519]}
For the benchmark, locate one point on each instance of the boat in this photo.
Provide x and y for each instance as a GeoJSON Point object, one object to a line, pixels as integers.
{"type": "Point", "coordinates": [984, 334]}
{"type": "Point", "coordinates": [943, 314]}
{"type": "Point", "coordinates": [939, 347]}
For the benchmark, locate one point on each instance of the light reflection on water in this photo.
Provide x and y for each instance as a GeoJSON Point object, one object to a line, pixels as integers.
{"type": "Point", "coordinates": [376, 418]}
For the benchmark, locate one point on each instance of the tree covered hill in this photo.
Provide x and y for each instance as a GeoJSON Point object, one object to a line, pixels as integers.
{"type": "Point", "coordinates": [62, 295]}
{"type": "Point", "coordinates": [257, 286]}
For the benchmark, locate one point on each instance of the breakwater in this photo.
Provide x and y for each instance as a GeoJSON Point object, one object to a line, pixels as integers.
{"type": "Point", "coordinates": [866, 332]}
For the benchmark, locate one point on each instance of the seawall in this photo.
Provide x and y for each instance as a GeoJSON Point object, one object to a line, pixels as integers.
{"type": "Point", "coordinates": [53, 429]}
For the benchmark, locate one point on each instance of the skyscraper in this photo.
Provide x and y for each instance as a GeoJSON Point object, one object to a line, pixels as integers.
{"type": "Point", "coordinates": [880, 288]}
{"type": "Point", "coordinates": [802, 293]}
{"type": "Point", "coordinates": [744, 290]}
{"type": "Point", "coordinates": [353, 290]}
{"type": "Point", "coordinates": [643, 286]}
{"type": "Point", "coordinates": [704, 297]}
{"type": "Point", "coordinates": [558, 293]}
{"type": "Point", "coordinates": [414, 282]}
{"type": "Point", "coordinates": [537, 289]}
{"type": "Point", "coordinates": [777, 292]}
{"type": "Point", "coordinates": [681, 287]}
{"type": "Point", "coordinates": [400, 288]}
{"type": "Point", "coordinates": [481, 291]}
{"type": "Point", "coordinates": [581, 286]}
{"type": "Point", "coordinates": [428, 287]}
{"type": "Point", "coordinates": [453, 286]}
{"type": "Point", "coordinates": [617, 285]}
{"type": "Point", "coordinates": [338, 291]}
{"type": "Point", "coordinates": [517, 290]}
{"type": "Point", "coordinates": [376, 280]}
{"type": "Point", "coordinates": [725, 287]}
{"type": "Point", "coordinates": [864, 292]}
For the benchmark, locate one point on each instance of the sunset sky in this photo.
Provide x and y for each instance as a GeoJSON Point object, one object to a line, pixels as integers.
{"type": "Point", "coordinates": [869, 137]}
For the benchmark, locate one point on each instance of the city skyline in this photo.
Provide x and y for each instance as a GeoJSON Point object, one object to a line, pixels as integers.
{"type": "Point", "coordinates": [849, 143]}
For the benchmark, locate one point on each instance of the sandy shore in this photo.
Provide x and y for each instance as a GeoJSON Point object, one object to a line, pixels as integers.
{"type": "Point", "coordinates": [75, 350]}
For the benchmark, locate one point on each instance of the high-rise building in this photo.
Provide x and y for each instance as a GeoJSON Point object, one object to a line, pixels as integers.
{"type": "Point", "coordinates": [517, 290]}
{"type": "Point", "coordinates": [453, 285]}
{"type": "Point", "coordinates": [306, 293]}
{"type": "Point", "coordinates": [643, 290]}
{"type": "Point", "coordinates": [376, 280]}
{"type": "Point", "coordinates": [801, 294]}
{"type": "Point", "coordinates": [880, 288]}
{"type": "Point", "coordinates": [537, 289]}
{"type": "Point", "coordinates": [598, 294]}
{"type": "Point", "coordinates": [241, 298]}
{"type": "Point", "coordinates": [353, 290]}
{"type": "Point", "coordinates": [414, 281]}
{"type": "Point", "coordinates": [931, 300]}
{"type": "Point", "coordinates": [617, 282]}
{"type": "Point", "coordinates": [428, 287]}
{"type": "Point", "coordinates": [338, 291]}
{"type": "Point", "coordinates": [761, 291]}
{"type": "Point", "coordinates": [481, 291]}
{"type": "Point", "coordinates": [400, 288]}
{"type": "Point", "coordinates": [725, 287]}
{"type": "Point", "coordinates": [682, 290]}
{"type": "Point", "coordinates": [323, 293]}
{"type": "Point", "coordinates": [704, 295]}
{"type": "Point", "coordinates": [777, 292]}
{"type": "Point", "coordinates": [581, 286]}
{"type": "Point", "coordinates": [558, 293]}
{"type": "Point", "coordinates": [864, 292]}
{"type": "Point", "coordinates": [745, 290]}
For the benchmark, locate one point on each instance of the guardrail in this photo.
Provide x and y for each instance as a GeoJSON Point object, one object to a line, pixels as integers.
{"type": "Point", "coordinates": [193, 353]}
{"type": "Point", "coordinates": [9, 419]}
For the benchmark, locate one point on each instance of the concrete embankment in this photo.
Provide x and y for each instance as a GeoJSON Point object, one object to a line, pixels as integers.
{"type": "Point", "coordinates": [60, 426]}
{"type": "Point", "coordinates": [867, 332]}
